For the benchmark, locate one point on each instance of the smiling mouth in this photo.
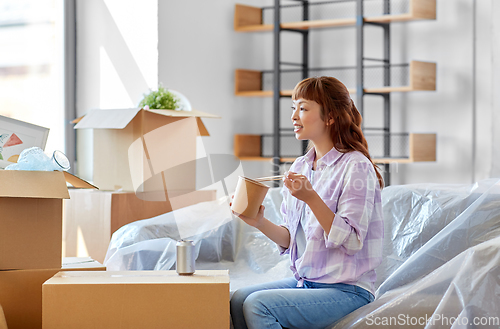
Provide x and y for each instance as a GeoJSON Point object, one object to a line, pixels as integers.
{"type": "Point", "coordinates": [297, 128]}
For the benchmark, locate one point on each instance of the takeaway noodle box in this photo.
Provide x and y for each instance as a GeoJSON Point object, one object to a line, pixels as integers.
{"type": "Point", "coordinates": [134, 148]}
{"type": "Point", "coordinates": [136, 299]}
{"type": "Point", "coordinates": [31, 208]}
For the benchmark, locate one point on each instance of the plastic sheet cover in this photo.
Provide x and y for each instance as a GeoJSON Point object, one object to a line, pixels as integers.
{"type": "Point", "coordinates": [441, 253]}
{"type": "Point", "coordinates": [221, 240]}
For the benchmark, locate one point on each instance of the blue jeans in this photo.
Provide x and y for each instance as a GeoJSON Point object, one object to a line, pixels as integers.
{"type": "Point", "coordinates": [281, 304]}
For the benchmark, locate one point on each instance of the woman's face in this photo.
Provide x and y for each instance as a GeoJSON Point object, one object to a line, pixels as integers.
{"type": "Point", "coordinates": [307, 122]}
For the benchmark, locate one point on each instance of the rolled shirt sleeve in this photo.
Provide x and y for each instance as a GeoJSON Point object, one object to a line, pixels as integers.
{"type": "Point", "coordinates": [283, 210]}
{"type": "Point", "coordinates": [284, 251]}
{"type": "Point", "coordinates": [354, 209]}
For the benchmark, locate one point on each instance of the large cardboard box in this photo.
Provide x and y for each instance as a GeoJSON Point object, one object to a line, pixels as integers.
{"type": "Point", "coordinates": [31, 206]}
{"type": "Point", "coordinates": [3, 323]}
{"type": "Point", "coordinates": [31, 219]}
{"type": "Point", "coordinates": [91, 217]}
{"type": "Point", "coordinates": [21, 296]}
{"type": "Point", "coordinates": [21, 291]}
{"type": "Point", "coordinates": [144, 150]}
{"type": "Point", "coordinates": [136, 299]}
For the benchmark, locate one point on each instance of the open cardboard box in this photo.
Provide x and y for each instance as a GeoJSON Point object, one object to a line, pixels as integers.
{"type": "Point", "coordinates": [136, 299]}
{"type": "Point", "coordinates": [134, 148]}
{"type": "Point", "coordinates": [31, 205]}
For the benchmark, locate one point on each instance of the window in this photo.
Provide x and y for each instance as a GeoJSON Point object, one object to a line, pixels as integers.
{"type": "Point", "coordinates": [32, 65]}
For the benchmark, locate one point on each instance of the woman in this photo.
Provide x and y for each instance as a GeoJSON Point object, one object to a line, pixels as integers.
{"type": "Point", "coordinates": [333, 226]}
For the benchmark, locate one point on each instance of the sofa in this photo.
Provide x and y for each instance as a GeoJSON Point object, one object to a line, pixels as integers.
{"type": "Point", "coordinates": [441, 253]}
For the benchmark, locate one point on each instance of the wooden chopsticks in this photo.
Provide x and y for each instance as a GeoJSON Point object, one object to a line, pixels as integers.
{"type": "Point", "coordinates": [269, 178]}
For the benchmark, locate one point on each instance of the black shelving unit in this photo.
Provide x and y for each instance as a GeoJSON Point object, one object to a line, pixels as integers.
{"type": "Point", "coordinates": [360, 85]}
{"type": "Point", "coordinates": [277, 130]}
{"type": "Point", "coordinates": [363, 64]}
{"type": "Point", "coordinates": [360, 67]}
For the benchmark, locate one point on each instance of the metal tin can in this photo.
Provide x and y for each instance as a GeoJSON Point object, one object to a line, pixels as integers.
{"type": "Point", "coordinates": [185, 257]}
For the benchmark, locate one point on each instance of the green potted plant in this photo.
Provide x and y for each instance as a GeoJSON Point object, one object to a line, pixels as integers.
{"type": "Point", "coordinates": [165, 99]}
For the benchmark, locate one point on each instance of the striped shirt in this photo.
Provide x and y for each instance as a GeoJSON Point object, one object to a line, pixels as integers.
{"type": "Point", "coordinates": [351, 251]}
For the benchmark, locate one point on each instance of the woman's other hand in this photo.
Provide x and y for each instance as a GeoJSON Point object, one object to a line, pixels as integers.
{"type": "Point", "coordinates": [256, 222]}
{"type": "Point", "coordinates": [299, 186]}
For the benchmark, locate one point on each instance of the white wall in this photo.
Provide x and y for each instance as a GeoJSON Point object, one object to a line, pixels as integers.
{"type": "Point", "coordinates": [117, 60]}
{"type": "Point", "coordinates": [199, 51]}
{"type": "Point", "coordinates": [447, 111]}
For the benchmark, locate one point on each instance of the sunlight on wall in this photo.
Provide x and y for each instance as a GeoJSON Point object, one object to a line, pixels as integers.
{"type": "Point", "coordinates": [113, 92]}
{"type": "Point", "coordinates": [137, 22]}
{"type": "Point", "coordinates": [81, 246]}
{"type": "Point", "coordinates": [117, 60]}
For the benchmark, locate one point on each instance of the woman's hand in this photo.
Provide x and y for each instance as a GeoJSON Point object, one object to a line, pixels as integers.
{"type": "Point", "coordinates": [299, 186]}
{"type": "Point", "coordinates": [278, 234]}
{"type": "Point", "coordinates": [256, 222]}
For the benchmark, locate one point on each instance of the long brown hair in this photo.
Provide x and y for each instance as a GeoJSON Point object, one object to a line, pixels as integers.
{"type": "Point", "coordinates": [336, 104]}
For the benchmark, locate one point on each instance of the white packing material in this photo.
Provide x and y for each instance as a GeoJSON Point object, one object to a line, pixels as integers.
{"type": "Point", "coordinates": [442, 249]}
{"type": "Point", "coordinates": [462, 293]}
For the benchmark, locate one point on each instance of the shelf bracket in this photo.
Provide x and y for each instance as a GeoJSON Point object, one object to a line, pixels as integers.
{"type": "Point", "coordinates": [377, 24]}
{"type": "Point", "coordinates": [294, 30]}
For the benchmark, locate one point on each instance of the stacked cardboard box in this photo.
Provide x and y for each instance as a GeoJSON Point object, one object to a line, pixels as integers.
{"type": "Point", "coordinates": [151, 155]}
{"type": "Point", "coordinates": [30, 241]}
{"type": "Point", "coordinates": [136, 299]}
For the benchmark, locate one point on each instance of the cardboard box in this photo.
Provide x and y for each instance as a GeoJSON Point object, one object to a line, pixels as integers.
{"type": "Point", "coordinates": [133, 149]}
{"type": "Point", "coordinates": [21, 296]}
{"type": "Point", "coordinates": [31, 219]}
{"type": "Point", "coordinates": [3, 323]}
{"type": "Point", "coordinates": [21, 291]}
{"type": "Point", "coordinates": [136, 299]}
{"type": "Point", "coordinates": [91, 217]}
{"type": "Point", "coordinates": [81, 264]}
